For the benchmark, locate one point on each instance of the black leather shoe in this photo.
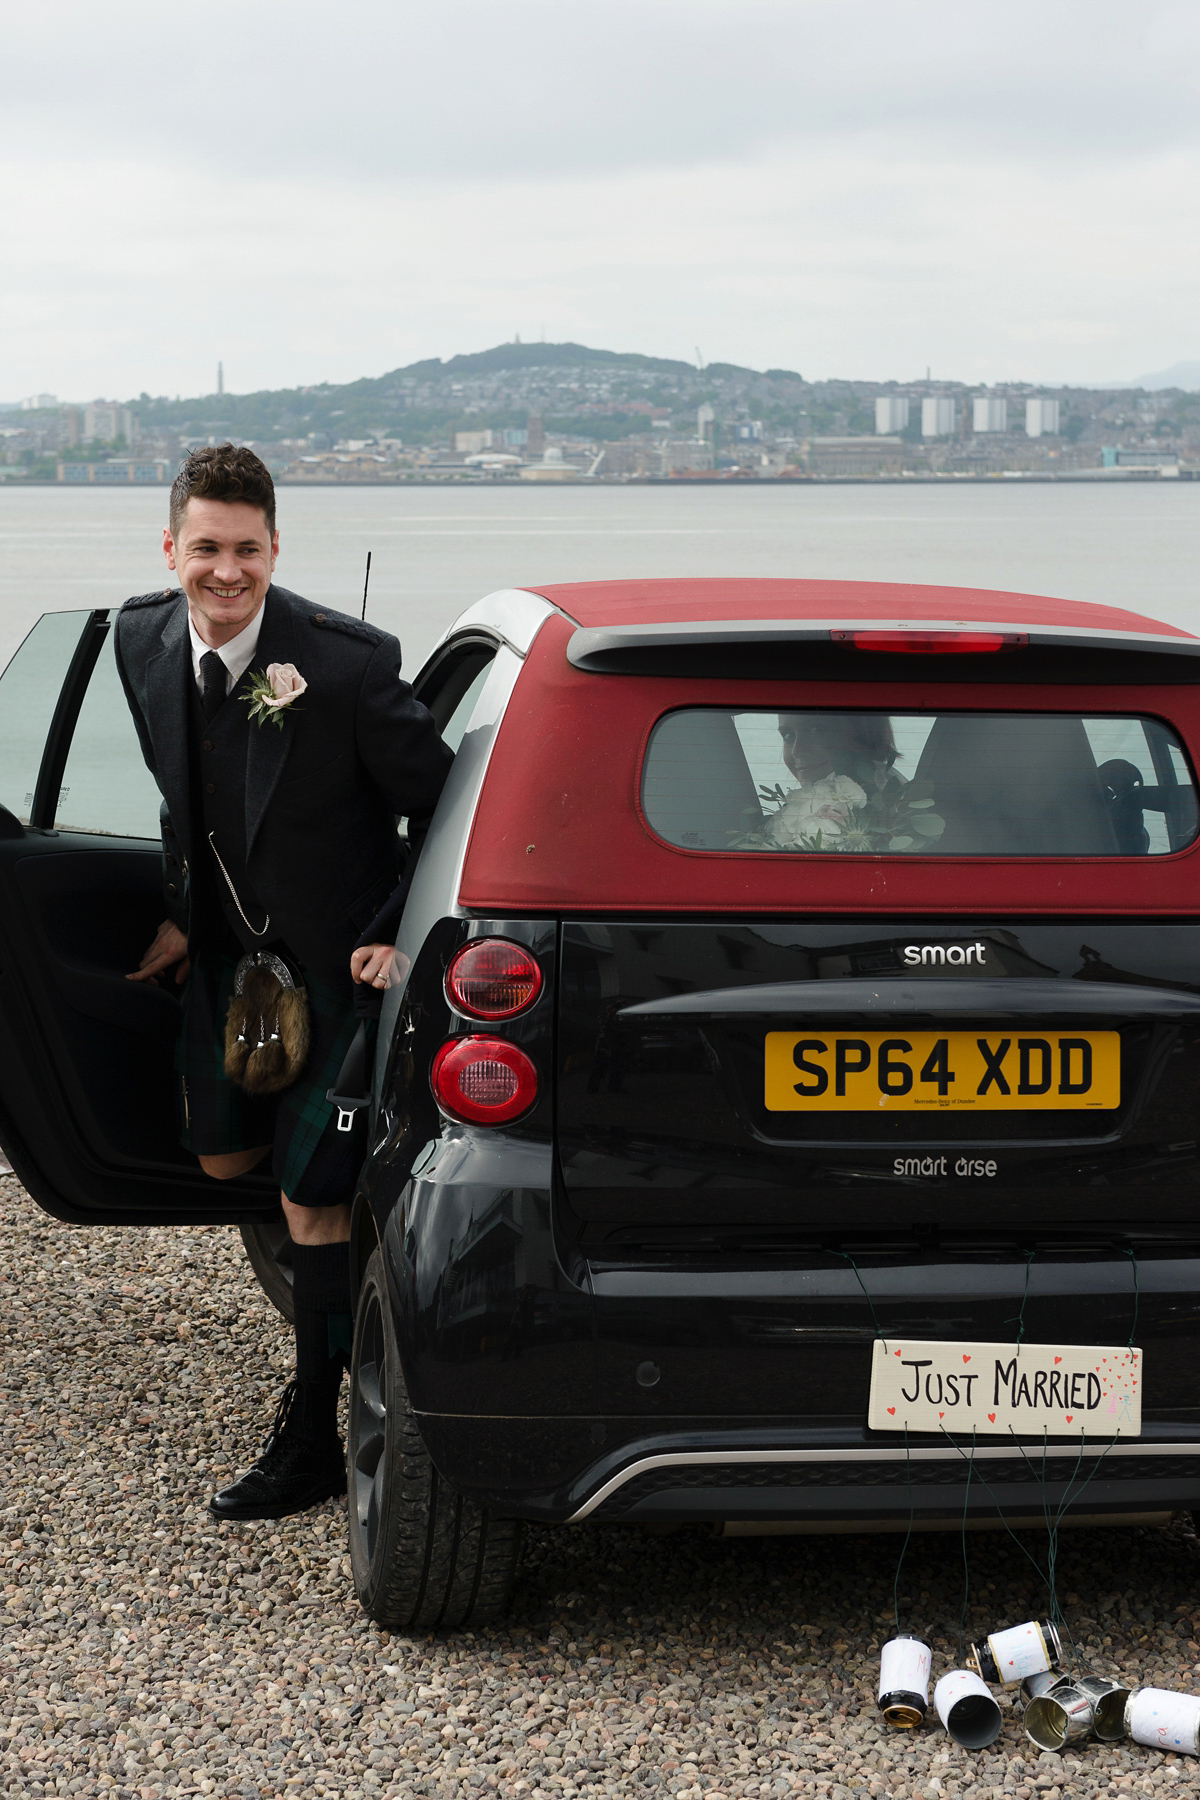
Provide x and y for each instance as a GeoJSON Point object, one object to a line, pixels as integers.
{"type": "Point", "coordinates": [294, 1472]}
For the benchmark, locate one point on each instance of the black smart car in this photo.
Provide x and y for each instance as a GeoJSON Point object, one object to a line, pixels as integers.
{"type": "Point", "coordinates": [786, 1100]}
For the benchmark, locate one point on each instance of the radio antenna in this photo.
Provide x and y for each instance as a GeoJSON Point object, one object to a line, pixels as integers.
{"type": "Point", "coordinates": [366, 584]}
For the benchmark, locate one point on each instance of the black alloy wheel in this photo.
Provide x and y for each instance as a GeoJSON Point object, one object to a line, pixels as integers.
{"type": "Point", "coordinates": [269, 1249]}
{"type": "Point", "coordinates": [423, 1556]}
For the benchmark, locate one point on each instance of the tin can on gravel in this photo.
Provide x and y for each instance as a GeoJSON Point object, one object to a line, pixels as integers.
{"type": "Point", "coordinates": [1163, 1720]}
{"type": "Point", "coordinates": [904, 1665]}
{"type": "Point", "coordinates": [1109, 1700]}
{"type": "Point", "coordinates": [1058, 1718]}
{"type": "Point", "coordinates": [1008, 1656]}
{"type": "Point", "coordinates": [967, 1709]}
{"type": "Point", "coordinates": [1035, 1685]}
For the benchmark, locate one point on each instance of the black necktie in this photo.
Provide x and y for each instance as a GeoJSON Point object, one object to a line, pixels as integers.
{"type": "Point", "coordinates": [212, 684]}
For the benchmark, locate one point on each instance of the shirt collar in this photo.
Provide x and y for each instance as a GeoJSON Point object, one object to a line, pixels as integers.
{"type": "Point", "coordinates": [237, 654]}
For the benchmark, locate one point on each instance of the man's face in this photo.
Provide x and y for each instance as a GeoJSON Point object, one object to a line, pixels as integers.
{"type": "Point", "coordinates": [224, 556]}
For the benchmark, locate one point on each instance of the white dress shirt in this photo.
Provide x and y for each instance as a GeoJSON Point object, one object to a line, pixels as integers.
{"type": "Point", "coordinates": [237, 654]}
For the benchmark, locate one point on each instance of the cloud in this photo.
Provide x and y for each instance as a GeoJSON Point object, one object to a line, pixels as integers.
{"type": "Point", "coordinates": [475, 88]}
{"type": "Point", "coordinates": [836, 185]}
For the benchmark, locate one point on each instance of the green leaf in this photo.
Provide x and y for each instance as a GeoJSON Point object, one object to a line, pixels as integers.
{"type": "Point", "coordinates": [929, 825]}
{"type": "Point", "coordinates": [900, 843]}
{"type": "Point", "coordinates": [916, 804]}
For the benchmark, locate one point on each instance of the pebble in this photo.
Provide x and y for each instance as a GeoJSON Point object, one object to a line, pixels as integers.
{"type": "Point", "coordinates": [148, 1652]}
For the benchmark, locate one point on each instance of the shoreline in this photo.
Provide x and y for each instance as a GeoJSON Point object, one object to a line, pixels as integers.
{"type": "Point", "coordinates": [469, 478]}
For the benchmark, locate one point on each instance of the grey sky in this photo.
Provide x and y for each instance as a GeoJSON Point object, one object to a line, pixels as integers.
{"type": "Point", "coordinates": [856, 187]}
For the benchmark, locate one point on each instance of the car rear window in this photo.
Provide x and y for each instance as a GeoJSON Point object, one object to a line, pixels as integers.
{"type": "Point", "coordinates": [905, 784]}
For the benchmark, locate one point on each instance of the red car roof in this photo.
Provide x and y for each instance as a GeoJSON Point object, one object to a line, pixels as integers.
{"type": "Point", "coordinates": [559, 826]}
{"type": "Point", "coordinates": [592, 603]}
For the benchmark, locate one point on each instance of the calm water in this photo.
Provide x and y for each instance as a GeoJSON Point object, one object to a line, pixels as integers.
{"type": "Point", "coordinates": [437, 550]}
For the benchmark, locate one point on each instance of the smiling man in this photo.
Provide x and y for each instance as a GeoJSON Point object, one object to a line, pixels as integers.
{"type": "Point", "coordinates": [286, 747]}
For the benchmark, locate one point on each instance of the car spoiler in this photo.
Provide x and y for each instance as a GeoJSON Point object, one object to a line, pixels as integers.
{"type": "Point", "coordinates": [852, 649]}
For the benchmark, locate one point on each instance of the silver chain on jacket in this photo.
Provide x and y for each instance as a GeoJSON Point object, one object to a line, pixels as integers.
{"type": "Point", "coordinates": [229, 884]}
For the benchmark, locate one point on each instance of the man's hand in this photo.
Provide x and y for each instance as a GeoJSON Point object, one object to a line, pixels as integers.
{"type": "Point", "coordinates": [370, 965]}
{"type": "Point", "coordinates": [169, 946]}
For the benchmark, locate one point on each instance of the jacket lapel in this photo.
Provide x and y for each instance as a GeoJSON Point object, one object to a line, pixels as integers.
{"type": "Point", "coordinates": [167, 674]}
{"type": "Point", "coordinates": [268, 748]}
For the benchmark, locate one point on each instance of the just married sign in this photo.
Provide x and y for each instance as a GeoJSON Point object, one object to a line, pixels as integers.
{"type": "Point", "coordinates": [992, 1389]}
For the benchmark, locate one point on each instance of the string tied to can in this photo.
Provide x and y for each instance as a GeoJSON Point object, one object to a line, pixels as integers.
{"type": "Point", "coordinates": [966, 1599]}
{"type": "Point", "coordinates": [979, 1476]}
{"type": "Point", "coordinates": [1054, 1516]}
{"type": "Point", "coordinates": [1019, 1319]}
{"type": "Point", "coordinates": [1133, 1261]}
{"type": "Point", "coordinates": [908, 1534]}
{"type": "Point", "coordinates": [846, 1257]}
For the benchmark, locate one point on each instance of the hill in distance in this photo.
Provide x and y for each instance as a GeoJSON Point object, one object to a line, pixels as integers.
{"type": "Point", "coordinates": [602, 394]}
{"type": "Point", "coordinates": [489, 387]}
{"type": "Point", "coordinates": [1184, 375]}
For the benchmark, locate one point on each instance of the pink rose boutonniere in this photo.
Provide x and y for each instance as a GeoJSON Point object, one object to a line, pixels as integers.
{"type": "Point", "coordinates": [268, 694]}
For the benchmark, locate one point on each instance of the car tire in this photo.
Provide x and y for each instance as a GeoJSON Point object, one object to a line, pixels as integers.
{"type": "Point", "coordinates": [423, 1556]}
{"type": "Point", "coordinates": [269, 1251]}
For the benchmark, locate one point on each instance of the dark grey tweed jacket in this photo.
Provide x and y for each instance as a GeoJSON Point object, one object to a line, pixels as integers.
{"type": "Point", "coordinates": [323, 794]}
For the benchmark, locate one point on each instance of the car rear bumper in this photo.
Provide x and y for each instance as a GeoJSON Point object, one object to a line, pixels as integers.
{"type": "Point", "coordinates": [691, 1471]}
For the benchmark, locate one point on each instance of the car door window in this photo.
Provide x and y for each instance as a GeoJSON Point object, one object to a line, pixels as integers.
{"type": "Point", "coordinates": [460, 718]}
{"type": "Point", "coordinates": [29, 691]}
{"type": "Point", "coordinates": [452, 684]}
{"type": "Point", "coordinates": [106, 786]}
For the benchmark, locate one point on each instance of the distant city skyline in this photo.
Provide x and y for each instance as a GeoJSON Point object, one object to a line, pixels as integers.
{"type": "Point", "coordinates": [1184, 375]}
{"type": "Point", "coordinates": [552, 412]}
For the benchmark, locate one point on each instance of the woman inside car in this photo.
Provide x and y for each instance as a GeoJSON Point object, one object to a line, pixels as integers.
{"type": "Point", "coordinates": [839, 761]}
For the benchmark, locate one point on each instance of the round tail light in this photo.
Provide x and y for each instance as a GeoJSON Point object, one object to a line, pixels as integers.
{"type": "Point", "coordinates": [483, 1080]}
{"type": "Point", "coordinates": [492, 979]}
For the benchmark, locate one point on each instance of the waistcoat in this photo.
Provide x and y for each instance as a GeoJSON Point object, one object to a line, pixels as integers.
{"type": "Point", "coordinates": [218, 759]}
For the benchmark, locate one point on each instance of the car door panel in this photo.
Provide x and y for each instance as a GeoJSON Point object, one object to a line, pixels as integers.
{"type": "Point", "coordinates": [87, 1083]}
{"type": "Point", "coordinates": [87, 1086]}
{"type": "Point", "coordinates": [92, 913]}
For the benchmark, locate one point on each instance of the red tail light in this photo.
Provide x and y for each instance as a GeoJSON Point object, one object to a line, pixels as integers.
{"type": "Point", "coordinates": [931, 643]}
{"type": "Point", "coordinates": [492, 979]}
{"type": "Point", "coordinates": [483, 1080]}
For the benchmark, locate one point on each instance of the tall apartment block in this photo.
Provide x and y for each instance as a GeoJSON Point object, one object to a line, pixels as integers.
{"type": "Point", "coordinates": [108, 420]}
{"type": "Point", "coordinates": [988, 414]}
{"type": "Point", "coordinates": [891, 416]}
{"type": "Point", "coordinates": [939, 417]}
{"type": "Point", "coordinates": [1041, 418]}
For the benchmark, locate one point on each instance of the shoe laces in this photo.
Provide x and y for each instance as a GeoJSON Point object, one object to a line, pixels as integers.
{"type": "Point", "coordinates": [293, 1426]}
{"type": "Point", "coordinates": [289, 1400]}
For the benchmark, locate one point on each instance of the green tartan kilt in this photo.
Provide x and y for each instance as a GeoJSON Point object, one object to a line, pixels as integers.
{"type": "Point", "coordinates": [313, 1162]}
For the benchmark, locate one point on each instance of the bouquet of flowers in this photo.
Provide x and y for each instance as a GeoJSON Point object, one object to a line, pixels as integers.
{"type": "Point", "coordinates": [838, 813]}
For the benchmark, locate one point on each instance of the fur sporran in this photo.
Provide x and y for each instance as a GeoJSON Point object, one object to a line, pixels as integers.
{"type": "Point", "coordinates": [267, 1032]}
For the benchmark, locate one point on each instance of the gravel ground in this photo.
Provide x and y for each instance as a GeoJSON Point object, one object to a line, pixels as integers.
{"type": "Point", "coordinates": [150, 1653]}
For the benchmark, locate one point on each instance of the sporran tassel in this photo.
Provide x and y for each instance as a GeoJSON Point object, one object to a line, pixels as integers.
{"type": "Point", "coordinates": [267, 1031]}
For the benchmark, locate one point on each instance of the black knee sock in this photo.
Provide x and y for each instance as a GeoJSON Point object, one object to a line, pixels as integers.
{"type": "Point", "coordinates": [321, 1291]}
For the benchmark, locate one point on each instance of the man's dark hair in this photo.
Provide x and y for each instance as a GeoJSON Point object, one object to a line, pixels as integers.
{"type": "Point", "coordinates": [227, 472]}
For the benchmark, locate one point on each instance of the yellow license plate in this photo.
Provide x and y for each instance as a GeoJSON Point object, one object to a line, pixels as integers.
{"type": "Point", "coordinates": [942, 1071]}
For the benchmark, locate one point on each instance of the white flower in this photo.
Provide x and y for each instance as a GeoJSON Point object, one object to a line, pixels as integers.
{"type": "Point", "coordinates": [287, 684]}
{"type": "Point", "coordinates": [267, 695]}
{"type": "Point", "coordinates": [822, 806]}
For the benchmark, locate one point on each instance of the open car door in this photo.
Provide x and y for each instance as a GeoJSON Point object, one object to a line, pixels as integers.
{"type": "Point", "coordinates": [87, 1082]}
